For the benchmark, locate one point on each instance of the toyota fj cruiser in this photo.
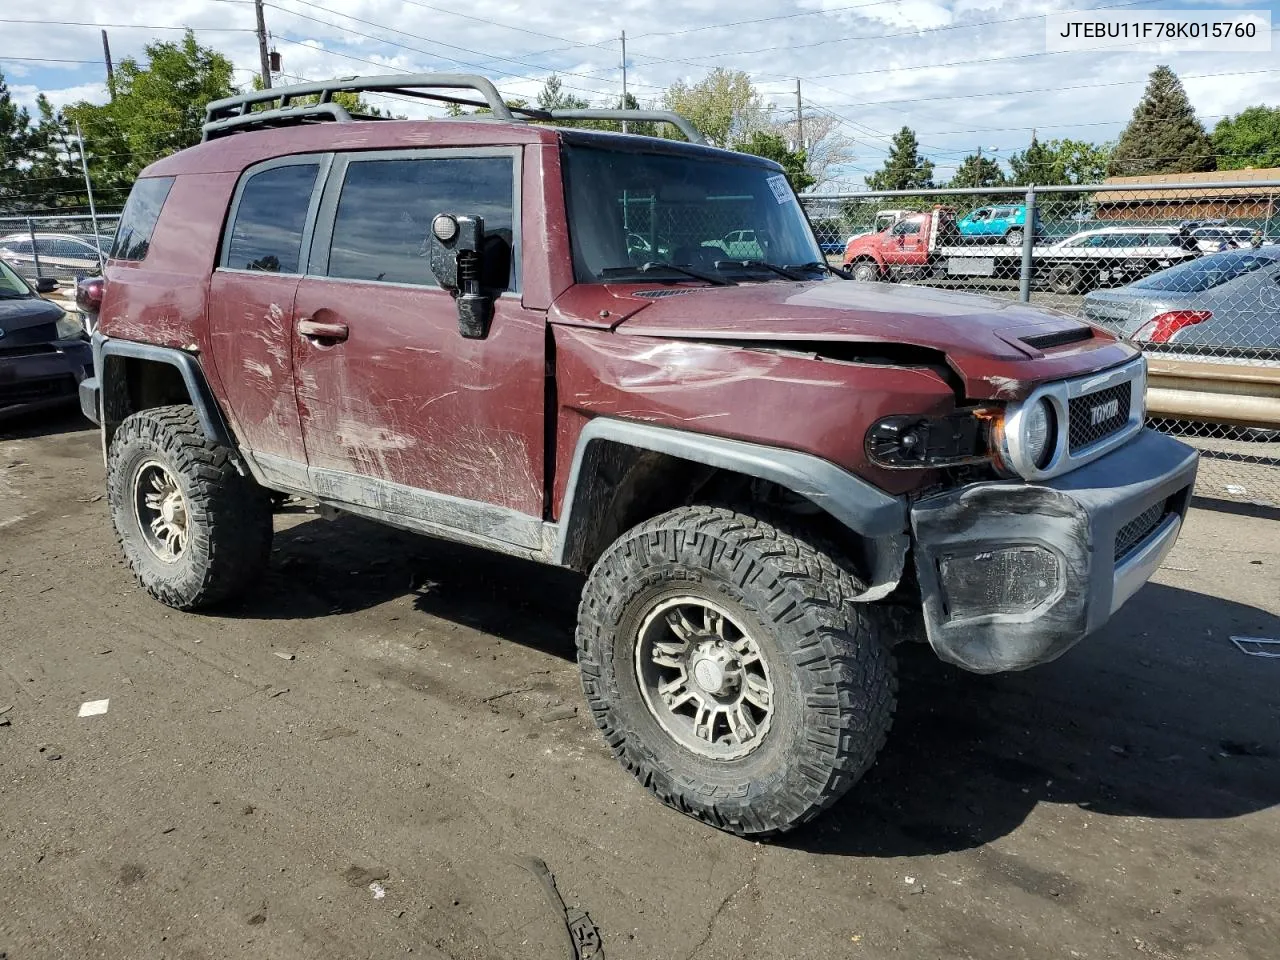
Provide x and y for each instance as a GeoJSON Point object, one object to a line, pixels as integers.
{"type": "Point", "coordinates": [531, 338]}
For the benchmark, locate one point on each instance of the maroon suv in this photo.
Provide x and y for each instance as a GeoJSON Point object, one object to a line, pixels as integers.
{"type": "Point", "coordinates": [627, 356]}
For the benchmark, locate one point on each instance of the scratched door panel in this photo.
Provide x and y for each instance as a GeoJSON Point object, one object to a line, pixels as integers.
{"type": "Point", "coordinates": [251, 333]}
{"type": "Point", "coordinates": [406, 398]}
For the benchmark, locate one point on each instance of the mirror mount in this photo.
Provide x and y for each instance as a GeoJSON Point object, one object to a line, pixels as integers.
{"type": "Point", "coordinates": [46, 285]}
{"type": "Point", "coordinates": [457, 251]}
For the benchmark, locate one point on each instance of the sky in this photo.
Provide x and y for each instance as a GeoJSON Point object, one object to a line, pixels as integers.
{"type": "Point", "coordinates": [963, 74]}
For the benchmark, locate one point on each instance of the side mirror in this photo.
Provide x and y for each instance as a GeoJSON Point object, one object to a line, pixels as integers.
{"type": "Point", "coordinates": [457, 245]}
{"type": "Point", "coordinates": [46, 285]}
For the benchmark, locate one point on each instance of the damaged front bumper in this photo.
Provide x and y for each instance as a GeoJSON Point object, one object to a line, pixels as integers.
{"type": "Point", "coordinates": [1014, 574]}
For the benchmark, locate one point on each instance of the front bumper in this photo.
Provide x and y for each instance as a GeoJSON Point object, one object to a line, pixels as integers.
{"type": "Point", "coordinates": [1014, 574]}
{"type": "Point", "coordinates": [45, 375]}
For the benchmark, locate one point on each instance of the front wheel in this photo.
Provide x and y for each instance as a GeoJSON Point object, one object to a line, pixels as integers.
{"type": "Point", "coordinates": [1066, 278]}
{"type": "Point", "coordinates": [865, 270]}
{"type": "Point", "coordinates": [730, 672]}
{"type": "Point", "coordinates": [192, 529]}
{"type": "Point", "coordinates": [1014, 238]}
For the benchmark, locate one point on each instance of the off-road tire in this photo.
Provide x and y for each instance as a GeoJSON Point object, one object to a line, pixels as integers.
{"type": "Point", "coordinates": [229, 517]}
{"type": "Point", "coordinates": [834, 682]}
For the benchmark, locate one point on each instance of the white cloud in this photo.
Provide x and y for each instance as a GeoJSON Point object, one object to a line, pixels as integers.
{"type": "Point", "coordinates": [960, 72]}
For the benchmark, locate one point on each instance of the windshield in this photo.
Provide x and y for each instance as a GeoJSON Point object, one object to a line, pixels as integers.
{"type": "Point", "coordinates": [628, 210]}
{"type": "Point", "coordinates": [11, 284]}
{"type": "Point", "coordinates": [1205, 273]}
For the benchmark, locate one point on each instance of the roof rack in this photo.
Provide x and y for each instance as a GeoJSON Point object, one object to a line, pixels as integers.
{"type": "Point", "coordinates": [236, 114]}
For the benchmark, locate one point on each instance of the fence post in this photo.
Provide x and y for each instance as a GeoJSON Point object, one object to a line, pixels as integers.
{"type": "Point", "coordinates": [35, 254]}
{"type": "Point", "coordinates": [1028, 245]}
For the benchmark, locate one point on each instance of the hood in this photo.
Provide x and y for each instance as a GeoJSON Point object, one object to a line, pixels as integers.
{"type": "Point", "coordinates": [1000, 348]}
{"type": "Point", "coordinates": [27, 321]}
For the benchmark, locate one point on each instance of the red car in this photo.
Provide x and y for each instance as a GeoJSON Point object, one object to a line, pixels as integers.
{"type": "Point", "coordinates": [763, 470]}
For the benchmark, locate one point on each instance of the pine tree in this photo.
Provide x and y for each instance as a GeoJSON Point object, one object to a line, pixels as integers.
{"type": "Point", "coordinates": [1164, 135]}
{"type": "Point", "coordinates": [15, 145]}
{"type": "Point", "coordinates": [1033, 165]}
{"type": "Point", "coordinates": [904, 168]}
{"type": "Point", "coordinates": [977, 171]}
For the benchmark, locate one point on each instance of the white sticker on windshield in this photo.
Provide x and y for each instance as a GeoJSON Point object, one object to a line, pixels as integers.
{"type": "Point", "coordinates": [781, 191]}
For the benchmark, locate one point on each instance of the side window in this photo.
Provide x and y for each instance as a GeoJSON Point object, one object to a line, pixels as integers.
{"type": "Point", "coordinates": [45, 247]}
{"type": "Point", "coordinates": [269, 219]}
{"type": "Point", "coordinates": [906, 226]}
{"type": "Point", "coordinates": [382, 227]}
{"type": "Point", "coordinates": [138, 222]}
{"type": "Point", "coordinates": [19, 248]}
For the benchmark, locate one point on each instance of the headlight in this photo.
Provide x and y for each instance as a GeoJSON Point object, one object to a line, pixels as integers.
{"type": "Point", "coordinates": [69, 327]}
{"type": "Point", "coordinates": [1038, 433]}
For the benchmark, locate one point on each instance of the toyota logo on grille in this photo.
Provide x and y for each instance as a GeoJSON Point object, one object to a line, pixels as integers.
{"type": "Point", "coordinates": [1104, 412]}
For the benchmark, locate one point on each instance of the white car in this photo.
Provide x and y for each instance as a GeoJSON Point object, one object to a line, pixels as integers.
{"type": "Point", "coordinates": [1210, 239]}
{"type": "Point", "coordinates": [1109, 256]}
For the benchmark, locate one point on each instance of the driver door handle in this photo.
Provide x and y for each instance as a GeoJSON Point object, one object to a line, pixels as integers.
{"type": "Point", "coordinates": [333, 332]}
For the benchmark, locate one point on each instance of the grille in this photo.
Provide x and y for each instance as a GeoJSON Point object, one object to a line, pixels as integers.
{"type": "Point", "coordinates": [1059, 338]}
{"type": "Point", "coordinates": [1087, 427]}
{"type": "Point", "coordinates": [1139, 528]}
{"type": "Point", "coordinates": [659, 294]}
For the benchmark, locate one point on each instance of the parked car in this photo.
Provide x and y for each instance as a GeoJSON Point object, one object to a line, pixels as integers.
{"type": "Point", "coordinates": [44, 352]}
{"type": "Point", "coordinates": [62, 255]}
{"type": "Point", "coordinates": [1005, 222]}
{"type": "Point", "coordinates": [1222, 304]}
{"type": "Point", "coordinates": [1110, 256]}
{"type": "Point", "coordinates": [439, 324]}
{"type": "Point", "coordinates": [1211, 239]}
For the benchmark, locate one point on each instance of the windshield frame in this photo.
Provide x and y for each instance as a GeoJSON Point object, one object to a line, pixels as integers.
{"type": "Point", "coordinates": [7, 273]}
{"type": "Point", "coordinates": [795, 231]}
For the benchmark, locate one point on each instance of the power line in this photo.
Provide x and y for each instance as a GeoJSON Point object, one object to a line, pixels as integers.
{"type": "Point", "coordinates": [124, 26]}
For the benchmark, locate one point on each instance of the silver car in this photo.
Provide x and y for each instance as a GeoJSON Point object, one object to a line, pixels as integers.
{"type": "Point", "coordinates": [61, 255]}
{"type": "Point", "coordinates": [1222, 304]}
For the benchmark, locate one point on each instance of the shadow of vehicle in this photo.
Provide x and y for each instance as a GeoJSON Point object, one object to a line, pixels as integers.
{"type": "Point", "coordinates": [61, 417]}
{"type": "Point", "coordinates": [1156, 716]}
{"type": "Point", "coordinates": [322, 567]}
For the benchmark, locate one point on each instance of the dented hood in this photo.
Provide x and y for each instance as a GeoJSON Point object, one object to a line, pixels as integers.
{"type": "Point", "coordinates": [985, 340]}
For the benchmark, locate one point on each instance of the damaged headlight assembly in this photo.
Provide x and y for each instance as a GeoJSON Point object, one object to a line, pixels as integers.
{"type": "Point", "coordinates": [1005, 437]}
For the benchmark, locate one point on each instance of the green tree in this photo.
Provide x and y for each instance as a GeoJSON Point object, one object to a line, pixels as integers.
{"type": "Point", "coordinates": [1164, 135]}
{"type": "Point", "coordinates": [158, 108]}
{"type": "Point", "coordinates": [773, 147]}
{"type": "Point", "coordinates": [54, 174]}
{"type": "Point", "coordinates": [904, 168]}
{"type": "Point", "coordinates": [978, 171]}
{"type": "Point", "coordinates": [1249, 139]}
{"type": "Point", "coordinates": [1060, 162]}
{"type": "Point", "coordinates": [15, 148]}
{"type": "Point", "coordinates": [723, 105]}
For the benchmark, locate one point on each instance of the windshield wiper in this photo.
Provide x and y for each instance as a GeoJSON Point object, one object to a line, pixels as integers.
{"type": "Point", "coordinates": [653, 266]}
{"type": "Point", "coordinates": [821, 265]}
{"type": "Point", "coordinates": [786, 272]}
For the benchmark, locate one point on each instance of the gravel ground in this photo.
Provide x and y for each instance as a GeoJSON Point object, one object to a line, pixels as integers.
{"type": "Point", "coordinates": [347, 764]}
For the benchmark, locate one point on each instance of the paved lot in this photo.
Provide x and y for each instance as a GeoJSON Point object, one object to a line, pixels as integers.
{"type": "Point", "coordinates": [1121, 802]}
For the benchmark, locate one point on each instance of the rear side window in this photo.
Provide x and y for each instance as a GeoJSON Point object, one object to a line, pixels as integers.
{"type": "Point", "coordinates": [270, 218]}
{"type": "Point", "coordinates": [382, 228]}
{"type": "Point", "coordinates": [138, 222]}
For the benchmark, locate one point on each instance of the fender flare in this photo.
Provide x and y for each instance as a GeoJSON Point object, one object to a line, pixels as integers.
{"type": "Point", "coordinates": [879, 518]}
{"type": "Point", "coordinates": [188, 366]}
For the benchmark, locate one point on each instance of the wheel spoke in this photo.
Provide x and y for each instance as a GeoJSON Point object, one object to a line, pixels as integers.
{"type": "Point", "coordinates": [712, 622]}
{"type": "Point", "coordinates": [740, 725]}
{"type": "Point", "coordinates": [669, 654]}
{"type": "Point", "coordinates": [758, 692]}
{"type": "Point", "coordinates": [704, 721]}
{"type": "Point", "coordinates": [680, 625]}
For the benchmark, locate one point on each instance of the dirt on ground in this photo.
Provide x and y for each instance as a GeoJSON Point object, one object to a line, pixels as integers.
{"type": "Point", "coordinates": [353, 761]}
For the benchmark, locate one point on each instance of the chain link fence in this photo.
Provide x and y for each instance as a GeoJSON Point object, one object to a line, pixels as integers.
{"type": "Point", "coordinates": [61, 246]}
{"type": "Point", "coordinates": [1188, 271]}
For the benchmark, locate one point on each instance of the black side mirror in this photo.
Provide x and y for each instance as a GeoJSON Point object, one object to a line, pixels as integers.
{"type": "Point", "coordinates": [46, 285]}
{"type": "Point", "coordinates": [457, 260]}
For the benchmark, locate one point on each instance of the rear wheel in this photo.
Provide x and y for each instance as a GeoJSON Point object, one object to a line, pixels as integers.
{"type": "Point", "coordinates": [730, 672]}
{"type": "Point", "coordinates": [192, 529]}
{"type": "Point", "coordinates": [1014, 237]}
{"type": "Point", "coordinates": [1066, 278]}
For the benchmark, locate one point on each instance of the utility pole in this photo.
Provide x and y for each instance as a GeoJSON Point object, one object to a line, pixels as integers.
{"type": "Point", "coordinates": [111, 73]}
{"type": "Point", "coordinates": [977, 170]}
{"type": "Point", "coordinates": [624, 77]}
{"type": "Point", "coordinates": [262, 45]}
{"type": "Point", "coordinates": [799, 118]}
